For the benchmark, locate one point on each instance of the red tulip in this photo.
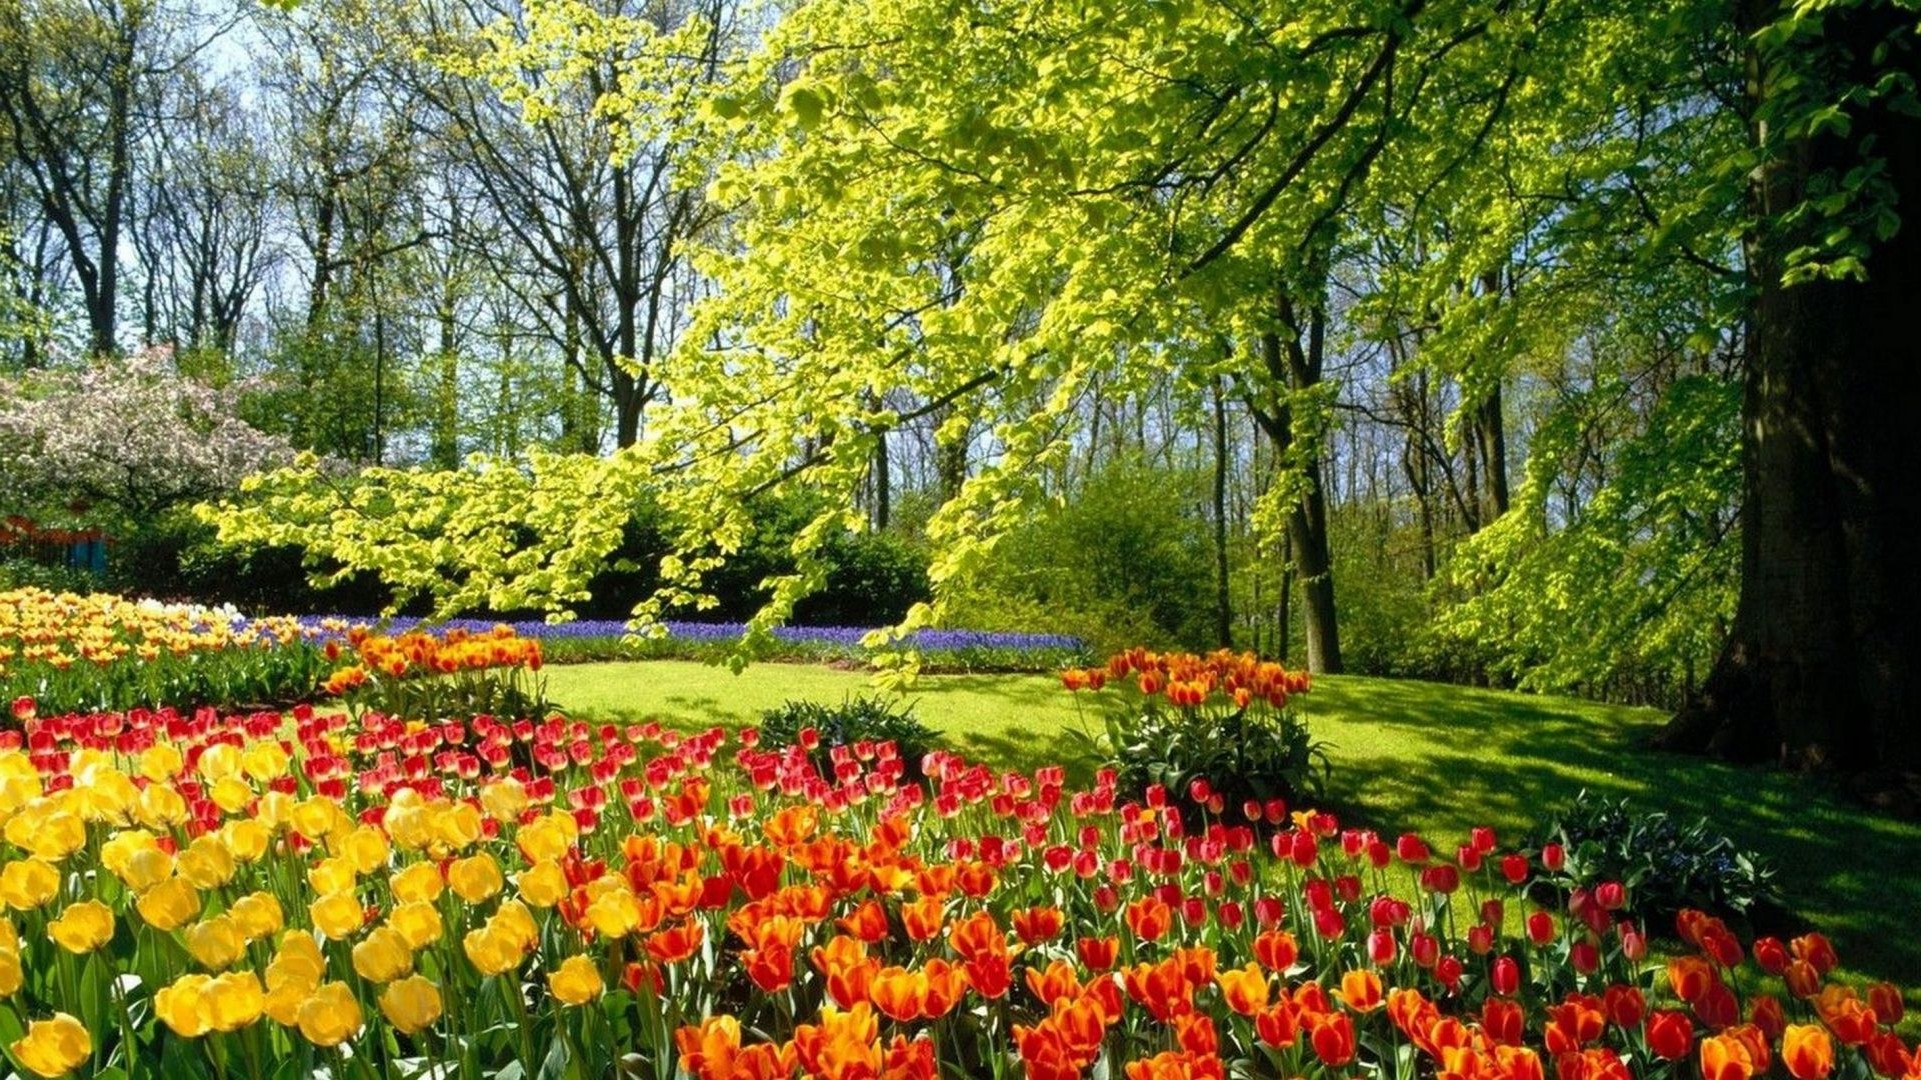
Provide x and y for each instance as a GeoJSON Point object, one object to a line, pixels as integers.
{"type": "Point", "coordinates": [1505, 976]}
{"type": "Point", "coordinates": [1670, 1034]}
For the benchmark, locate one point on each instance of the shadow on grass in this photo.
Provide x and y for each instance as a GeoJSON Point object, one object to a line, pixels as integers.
{"type": "Point", "coordinates": [1451, 758]}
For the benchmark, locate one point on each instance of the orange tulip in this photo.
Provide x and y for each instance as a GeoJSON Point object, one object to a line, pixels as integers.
{"type": "Point", "coordinates": [1276, 950]}
{"type": "Point", "coordinates": [1724, 1057]}
{"type": "Point", "coordinates": [1149, 918]}
{"type": "Point", "coordinates": [1278, 1025]}
{"type": "Point", "coordinates": [1244, 989]}
{"type": "Point", "coordinates": [1360, 991]}
{"type": "Point", "coordinates": [1037, 924]}
{"type": "Point", "coordinates": [1059, 980]}
{"type": "Point", "coordinates": [673, 946]}
{"type": "Point", "coordinates": [924, 917]}
{"type": "Point", "coordinates": [978, 936]}
{"type": "Point", "coordinates": [1332, 1037]}
{"type": "Point", "coordinates": [898, 993]}
{"type": "Point", "coordinates": [1807, 1052]}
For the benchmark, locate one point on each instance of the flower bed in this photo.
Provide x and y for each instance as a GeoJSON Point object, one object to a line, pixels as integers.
{"type": "Point", "coordinates": [199, 894]}
{"type": "Point", "coordinates": [68, 651]}
{"type": "Point", "coordinates": [591, 639]}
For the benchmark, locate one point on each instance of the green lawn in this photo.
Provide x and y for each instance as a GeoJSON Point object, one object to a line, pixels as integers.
{"type": "Point", "coordinates": [1407, 756]}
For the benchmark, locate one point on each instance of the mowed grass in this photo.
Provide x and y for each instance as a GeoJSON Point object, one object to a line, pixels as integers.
{"type": "Point", "coordinates": [1407, 756]}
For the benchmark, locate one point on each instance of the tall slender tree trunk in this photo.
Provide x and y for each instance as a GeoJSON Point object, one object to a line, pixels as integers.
{"type": "Point", "coordinates": [1223, 595]}
{"type": "Point", "coordinates": [446, 440]}
{"type": "Point", "coordinates": [1295, 363]}
{"type": "Point", "coordinates": [1818, 669]}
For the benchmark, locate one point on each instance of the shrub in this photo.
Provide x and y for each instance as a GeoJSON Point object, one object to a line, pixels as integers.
{"type": "Point", "coordinates": [818, 728]}
{"type": "Point", "coordinates": [1665, 866]}
{"type": "Point", "coordinates": [1116, 565]}
{"type": "Point", "coordinates": [1215, 733]}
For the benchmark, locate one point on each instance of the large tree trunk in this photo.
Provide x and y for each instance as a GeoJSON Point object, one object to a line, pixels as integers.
{"type": "Point", "coordinates": [1818, 669]}
{"type": "Point", "coordinates": [1490, 428]}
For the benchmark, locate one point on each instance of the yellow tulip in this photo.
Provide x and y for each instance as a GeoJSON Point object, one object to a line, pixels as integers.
{"type": "Point", "coordinates": [160, 762]}
{"type": "Point", "coordinates": [215, 943]}
{"type": "Point", "coordinates": [365, 849]}
{"type": "Point", "coordinates": [83, 927]}
{"type": "Point", "coordinates": [475, 878]}
{"type": "Point", "coordinates": [517, 922]}
{"type": "Point", "coordinates": [169, 905]}
{"type": "Point", "coordinates": [314, 818]}
{"type": "Point", "coordinates": [11, 974]}
{"type": "Point", "coordinates": [231, 794]}
{"type": "Point", "coordinates": [419, 882]}
{"type": "Point", "coordinates": [235, 1000]}
{"type": "Point", "coordinates": [53, 1047]}
{"type": "Point", "coordinates": [106, 794]}
{"type": "Point", "coordinates": [418, 922]}
{"type": "Point", "coordinates": [25, 884]}
{"type": "Point", "coordinates": [54, 835]}
{"type": "Point", "coordinates": [410, 1004]}
{"type": "Point", "coordinates": [10, 971]}
{"type": "Point", "coordinates": [406, 820]}
{"type": "Point", "coordinates": [161, 807]}
{"type": "Point", "coordinates": [207, 863]}
{"type": "Point", "coordinates": [183, 1006]}
{"type": "Point", "coordinates": [336, 915]}
{"type": "Point", "coordinates": [491, 950]}
{"type": "Point", "coordinates": [258, 915]}
{"type": "Point", "coordinates": [332, 875]}
{"type": "Point", "coordinates": [504, 799]}
{"type": "Point", "coordinates": [548, 838]}
{"type": "Point", "coordinates": [614, 914]}
{"type": "Point", "coordinates": [330, 1016]}
{"type": "Point", "coordinates": [383, 956]}
{"type": "Point", "coordinates": [274, 810]}
{"type": "Point", "coordinates": [457, 826]}
{"type": "Point", "coordinates": [294, 974]}
{"type": "Point", "coordinates": [247, 838]}
{"type": "Point", "coordinates": [147, 868]}
{"type": "Point", "coordinates": [543, 885]}
{"type": "Point", "coordinates": [576, 981]}
{"type": "Point", "coordinates": [218, 761]}
{"type": "Point", "coordinates": [264, 761]}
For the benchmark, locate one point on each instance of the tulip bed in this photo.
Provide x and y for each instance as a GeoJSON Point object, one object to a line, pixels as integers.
{"type": "Point", "coordinates": [206, 895]}
{"type": "Point", "coordinates": [101, 651]}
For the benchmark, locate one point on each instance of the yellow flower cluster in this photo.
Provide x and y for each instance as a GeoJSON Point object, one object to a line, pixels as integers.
{"type": "Point", "coordinates": [61, 629]}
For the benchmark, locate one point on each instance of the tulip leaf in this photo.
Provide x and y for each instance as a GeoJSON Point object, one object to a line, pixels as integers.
{"type": "Point", "coordinates": [554, 1067]}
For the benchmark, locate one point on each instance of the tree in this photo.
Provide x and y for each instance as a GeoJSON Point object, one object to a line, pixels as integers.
{"type": "Point", "coordinates": [596, 218]}
{"type": "Point", "coordinates": [78, 82]}
{"type": "Point", "coordinates": [1818, 668]}
{"type": "Point", "coordinates": [132, 437]}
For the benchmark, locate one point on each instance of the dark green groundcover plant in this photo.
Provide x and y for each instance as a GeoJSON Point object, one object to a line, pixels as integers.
{"type": "Point", "coordinates": [1665, 865]}
{"type": "Point", "coordinates": [820, 727]}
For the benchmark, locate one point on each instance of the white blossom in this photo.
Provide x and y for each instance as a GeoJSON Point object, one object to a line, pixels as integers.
{"type": "Point", "coordinates": [133, 434]}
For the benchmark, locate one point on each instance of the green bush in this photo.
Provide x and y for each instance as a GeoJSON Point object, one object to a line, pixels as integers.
{"type": "Point", "coordinates": [1125, 560]}
{"type": "Point", "coordinates": [1666, 866]}
{"type": "Point", "coordinates": [1242, 755]}
{"type": "Point", "coordinates": [854, 720]}
{"type": "Point", "coordinates": [27, 574]}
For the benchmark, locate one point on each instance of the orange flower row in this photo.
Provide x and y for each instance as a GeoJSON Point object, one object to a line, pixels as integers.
{"type": "Point", "coordinates": [1190, 680]}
